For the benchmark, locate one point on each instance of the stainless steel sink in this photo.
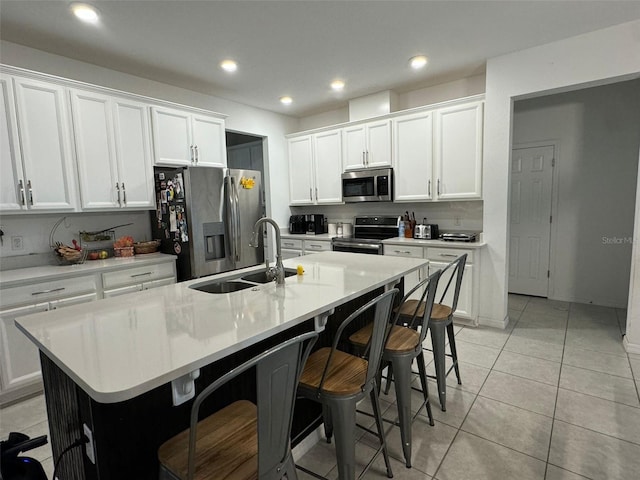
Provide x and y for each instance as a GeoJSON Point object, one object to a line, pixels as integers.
{"type": "Point", "coordinates": [223, 286]}
{"type": "Point", "coordinates": [261, 277]}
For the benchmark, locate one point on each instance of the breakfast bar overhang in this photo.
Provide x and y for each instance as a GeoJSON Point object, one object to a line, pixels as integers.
{"type": "Point", "coordinates": [108, 366]}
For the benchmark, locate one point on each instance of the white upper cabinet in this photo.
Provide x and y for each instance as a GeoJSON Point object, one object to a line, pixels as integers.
{"type": "Point", "coordinates": [458, 151]}
{"type": "Point", "coordinates": [182, 138]}
{"type": "Point", "coordinates": [114, 152]}
{"type": "Point", "coordinates": [209, 141]}
{"type": "Point", "coordinates": [12, 193]}
{"type": "Point", "coordinates": [301, 170]}
{"type": "Point", "coordinates": [367, 145]}
{"type": "Point", "coordinates": [413, 157]}
{"type": "Point", "coordinates": [45, 141]}
{"type": "Point", "coordinates": [315, 168]}
{"type": "Point", "coordinates": [328, 166]}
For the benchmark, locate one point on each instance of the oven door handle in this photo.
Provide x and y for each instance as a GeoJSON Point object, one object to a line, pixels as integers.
{"type": "Point", "coordinates": [367, 246]}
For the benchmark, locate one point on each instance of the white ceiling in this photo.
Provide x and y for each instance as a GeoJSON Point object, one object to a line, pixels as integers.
{"type": "Point", "coordinates": [298, 47]}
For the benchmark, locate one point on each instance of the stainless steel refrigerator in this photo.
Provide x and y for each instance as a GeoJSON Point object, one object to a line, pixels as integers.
{"type": "Point", "coordinates": [205, 216]}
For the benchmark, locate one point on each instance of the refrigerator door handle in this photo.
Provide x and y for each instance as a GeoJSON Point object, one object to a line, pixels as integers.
{"type": "Point", "coordinates": [236, 237]}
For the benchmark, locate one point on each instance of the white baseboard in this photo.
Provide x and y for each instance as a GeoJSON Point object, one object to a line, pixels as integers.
{"type": "Point", "coordinates": [631, 347]}
{"type": "Point", "coordinates": [492, 322]}
{"type": "Point", "coordinates": [307, 444]}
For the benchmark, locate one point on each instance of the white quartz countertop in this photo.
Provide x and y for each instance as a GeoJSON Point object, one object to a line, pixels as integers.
{"type": "Point", "coordinates": [21, 276]}
{"type": "Point", "coordinates": [121, 347]}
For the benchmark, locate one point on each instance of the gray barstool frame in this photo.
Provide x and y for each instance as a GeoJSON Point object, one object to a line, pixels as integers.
{"type": "Point", "coordinates": [276, 394]}
{"type": "Point", "coordinates": [339, 411]}
{"type": "Point", "coordinates": [438, 328]}
{"type": "Point", "coordinates": [401, 362]}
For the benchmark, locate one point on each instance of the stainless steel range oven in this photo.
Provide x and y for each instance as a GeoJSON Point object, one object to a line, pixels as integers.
{"type": "Point", "coordinates": [368, 233]}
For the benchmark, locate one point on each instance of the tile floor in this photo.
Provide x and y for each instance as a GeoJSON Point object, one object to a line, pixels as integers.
{"type": "Point", "coordinates": [554, 396]}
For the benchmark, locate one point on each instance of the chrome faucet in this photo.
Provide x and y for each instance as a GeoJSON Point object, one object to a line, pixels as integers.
{"type": "Point", "coordinates": [274, 273]}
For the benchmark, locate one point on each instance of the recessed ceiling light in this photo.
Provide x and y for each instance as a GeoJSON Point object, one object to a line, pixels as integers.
{"type": "Point", "coordinates": [229, 65]}
{"type": "Point", "coordinates": [418, 61]}
{"type": "Point", "coordinates": [337, 85]}
{"type": "Point", "coordinates": [286, 100]}
{"type": "Point", "coordinates": [85, 12]}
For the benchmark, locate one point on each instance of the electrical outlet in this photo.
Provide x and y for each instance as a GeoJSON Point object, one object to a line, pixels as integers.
{"type": "Point", "coordinates": [16, 242]}
{"type": "Point", "coordinates": [89, 447]}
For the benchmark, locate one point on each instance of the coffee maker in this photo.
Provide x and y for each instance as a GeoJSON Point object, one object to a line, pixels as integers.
{"type": "Point", "coordinates": [315, 224]}
{"type": "Point", "coordinates": [298, 224]}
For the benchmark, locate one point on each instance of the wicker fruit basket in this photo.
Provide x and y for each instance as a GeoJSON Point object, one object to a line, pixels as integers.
{"type": "Point", "coordinates": [123, 251]}
{"type": "Point", "coordinates": [146, 247]}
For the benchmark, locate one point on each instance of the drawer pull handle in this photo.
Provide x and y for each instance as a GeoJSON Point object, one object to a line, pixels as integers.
{"type": "Point", "coordinates": [402, 251]}
{"type": "Point", "coordinates": [287, 244]}
{"type": "Point", "coordinates": [448, 255]}
{"type": "Point", "coordinates": [315, 246]}
{"type": "Point", "coordinates": [49, 291]}
{"type": "Point", "coordinates": [140, 274]}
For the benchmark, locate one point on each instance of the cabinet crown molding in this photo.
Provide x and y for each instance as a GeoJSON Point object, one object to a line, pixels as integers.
{"type": "Point", "coordinates": [392, 115]}
{"type": "Point", "coordinates": [70, 83]}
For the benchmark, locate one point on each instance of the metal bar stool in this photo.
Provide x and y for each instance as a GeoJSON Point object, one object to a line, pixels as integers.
{"type": "Point", "coordinates": [339, 380]}
{"type": "Point", "coordinates": [243, 440]}
{"type": "Point", "coordinates": [403, 346]}
{"type": "Point", "coordinates": [442, 319]}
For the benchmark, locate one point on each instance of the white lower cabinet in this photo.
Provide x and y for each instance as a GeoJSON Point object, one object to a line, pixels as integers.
{"type": "Point", "coordinates": [20, 371]}
{"type": "Point", "coordinates": [295, 247]}
{"type": "Point", "coordinates": [136, 279]}
{"type": "Point", "coordinates": [439, 258]}
{"type": "Point", "coordinates": [415, 277]}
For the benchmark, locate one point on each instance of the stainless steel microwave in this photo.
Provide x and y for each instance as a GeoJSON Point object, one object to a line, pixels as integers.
{"type": "Point", "coordinates": [370, 185]}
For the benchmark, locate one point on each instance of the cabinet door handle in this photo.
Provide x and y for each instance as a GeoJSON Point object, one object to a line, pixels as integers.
{"type": "Point", "coordinates": [429, 187]}
{"type": "Point", "coordinates": [364, 159]}
{"type": "Point", "coordinates": [49, 291]}
{"type": "Point", "coordinates": [316, 194]}
{"type": "Point", "coordinates": [192, 153]}
{"type": "Point", "coordinates": [367, 158]}
{"type": "Point", "coordinates": [449, 255]}
{"type": "Point", "coordinates": [124, 195]}
{"type": "Point", "coordinates": [140, 274]}
{"type": "Point", "coordinates": [118, 190]}
{"type": "Point", "coordinates": [197, 154]}
{"type": "Point", "coordinates": [438, 187]}
{"type": "Point", "coordinates": [310, 194]}
{"type": "Point", "coordinates": [21, 190]}
{"type": "Point", "coordinates": [30, 192]}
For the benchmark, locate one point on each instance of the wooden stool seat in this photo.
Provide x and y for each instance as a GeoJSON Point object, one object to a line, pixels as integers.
{"type": "Point", "coordinates": [345, 375]}
{"type": "Point", "coordinates": [400, 340]}
{"type": "Point", "coordinates": [408, 308]}
{"type": "Point", "coordinates": [440, 312]}
{"type": "Point", "coordinates": [227, 446]}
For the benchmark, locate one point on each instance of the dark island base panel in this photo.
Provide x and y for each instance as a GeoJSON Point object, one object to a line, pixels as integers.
{"type": "Point", "coordinates": [127, 434]}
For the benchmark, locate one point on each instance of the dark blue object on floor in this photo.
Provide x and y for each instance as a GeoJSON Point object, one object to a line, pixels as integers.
{"type": "Point", "coordinates": [15, 467]}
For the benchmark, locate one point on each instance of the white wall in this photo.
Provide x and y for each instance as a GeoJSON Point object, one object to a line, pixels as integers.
{"type": "Point", "coordinates": [598, 134]}
{"type": "Point", "coordinates": [596, 58]}
{"type": "Point", "coordinates": [241, 118]}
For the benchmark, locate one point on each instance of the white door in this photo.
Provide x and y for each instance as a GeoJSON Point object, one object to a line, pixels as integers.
{"type": "Point", "coordinates": [209, 141]}
{"type": "Point", "coordinates": [12, 195]}
{"type": "Point", "coordinates": [413, 147]}
{"type": "Point", "coordinates": [133, 153]}
{"type": "Point", "coordinates": [172, 143]}
{"type": "Point", "coordinates": [459, 152]}
{"type": "Point", "coordinates": [95, 147]}
{"type": "Point", "coordinates": [530, 223]}
{"type": "Point", "coordinates": [328, 167]}
{"type": "Point", "coordinates": [44, 131]}
{"type": "Point", "coordinates": [20, 364]}
{"type": "Point", "coordinates": [378, 151]}
{"type": "Point", "coordinates": [300, 171]}
{"type": "Point", "coordinates": [353, 147]}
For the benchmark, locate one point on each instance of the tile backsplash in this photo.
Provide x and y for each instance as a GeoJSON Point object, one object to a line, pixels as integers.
{"type": "Point", "coordinates": [33, 232]}
{"type": "Point", "coordinates": [465, 215]}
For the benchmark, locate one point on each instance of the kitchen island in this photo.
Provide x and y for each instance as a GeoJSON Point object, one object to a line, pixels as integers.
{"type": "Point", "coordinates": [110, 365]}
